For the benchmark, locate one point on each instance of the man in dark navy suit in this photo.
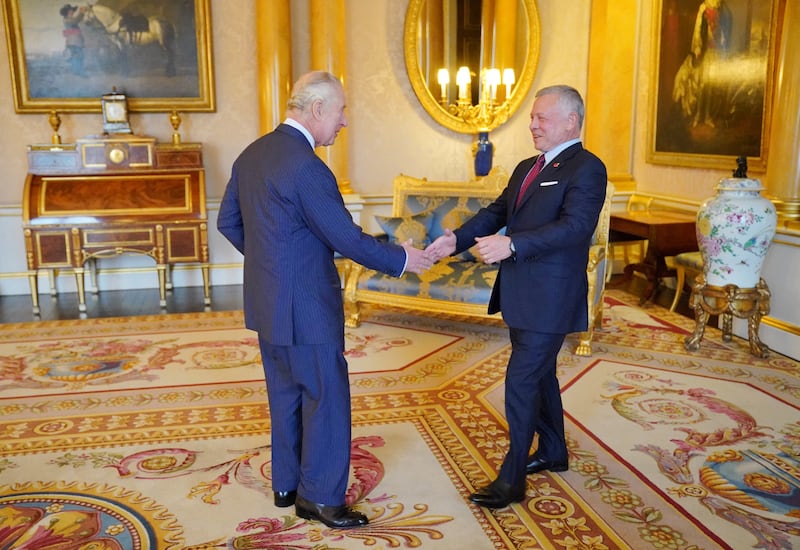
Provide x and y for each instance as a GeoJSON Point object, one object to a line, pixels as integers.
{"type": "Point", "coordinates": [283, 210]}
{"type": "Point", "coordinates": [550, 209]}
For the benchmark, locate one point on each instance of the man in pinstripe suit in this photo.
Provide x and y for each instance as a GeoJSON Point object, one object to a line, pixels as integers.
{"type": "Point", "coordinates": [550, 209]}
{"type": "Point", "coordinates": [283, 210]}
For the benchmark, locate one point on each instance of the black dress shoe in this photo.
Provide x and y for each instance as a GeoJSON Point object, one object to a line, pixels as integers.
{"type": "Point", "coordinates": [335, 517]}
{"type": "Point", "coordinates": [284, 499]}
{"type": "Point", "coordinates": [498, 494]}
{"type": "Point", "coordinates": [536, 464]}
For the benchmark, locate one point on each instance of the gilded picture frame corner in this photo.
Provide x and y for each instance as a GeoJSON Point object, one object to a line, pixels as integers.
{"type": "Point", "coordinates": [682, 130]}
{"type": "Point", "coordinates": [110, 57]}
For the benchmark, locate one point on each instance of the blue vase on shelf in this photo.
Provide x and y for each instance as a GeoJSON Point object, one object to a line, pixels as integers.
{"type": "Point", "coordinates": [483, 154]}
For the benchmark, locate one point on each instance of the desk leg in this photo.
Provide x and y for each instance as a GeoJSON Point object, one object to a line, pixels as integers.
{"type": "Point", "coordinates": [33, 281]}
{"type": "Point", "coordinates": [79, 271]}
{"type": "Point", "coordinates": [206, 285]}
{"type": "Point", "coordinates": [162, 284]}
{"type": "Point", "coordinates": [93, 276]}
{"type": "Point", "coordinates": [51, 276]}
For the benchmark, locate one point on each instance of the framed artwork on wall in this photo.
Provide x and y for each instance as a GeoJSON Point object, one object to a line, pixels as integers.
{"type": "Point", "coordinates": [64, 57]}
{"type": "Point", "coordinates": [712, 82]}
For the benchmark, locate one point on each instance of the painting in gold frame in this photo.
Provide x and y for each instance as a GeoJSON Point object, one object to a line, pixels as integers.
{"type": "Point", "coordinates": [713, 68]}
{"type": "Point", "coordinates": [158, 54]}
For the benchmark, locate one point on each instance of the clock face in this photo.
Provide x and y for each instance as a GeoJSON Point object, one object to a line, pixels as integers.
{"type": "Point", "coordinates": [116, 112]}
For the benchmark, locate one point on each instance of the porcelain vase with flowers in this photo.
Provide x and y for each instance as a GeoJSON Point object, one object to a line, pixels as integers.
{"type": "Point", "coordinates": [734, 232]}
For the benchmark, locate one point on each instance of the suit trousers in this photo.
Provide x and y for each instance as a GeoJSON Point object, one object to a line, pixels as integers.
{"type": "Point", "coordinates": [533, 402]}
{"type": "Point", "coordinates": [309, 403]}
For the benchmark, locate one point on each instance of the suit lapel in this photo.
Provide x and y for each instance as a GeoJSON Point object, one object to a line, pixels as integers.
{"type": "Point", "coordinates": [550, 171]}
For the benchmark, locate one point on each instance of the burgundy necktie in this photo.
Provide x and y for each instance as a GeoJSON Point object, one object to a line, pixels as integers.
{"type": "Point", "coordinates": [537, 167]}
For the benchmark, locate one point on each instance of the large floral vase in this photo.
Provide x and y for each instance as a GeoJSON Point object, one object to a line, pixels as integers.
{"type": "Point", "coordinates": [734, 232]}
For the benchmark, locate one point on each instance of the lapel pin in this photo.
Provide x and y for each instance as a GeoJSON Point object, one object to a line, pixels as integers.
{"type": "Point", "coordinates": [556, 164]}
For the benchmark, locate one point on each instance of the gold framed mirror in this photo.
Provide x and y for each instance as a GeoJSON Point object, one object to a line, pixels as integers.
{"type": "Point", "coordinates": [486, 36]}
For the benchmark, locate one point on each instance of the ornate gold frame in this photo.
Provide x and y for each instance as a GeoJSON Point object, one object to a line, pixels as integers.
{"type": "Point", "coordinates": [432, 106]}
{"type": "Point", "coordinates": [23, 102]}
{"type": "Point", "coordinates": [698, 159]}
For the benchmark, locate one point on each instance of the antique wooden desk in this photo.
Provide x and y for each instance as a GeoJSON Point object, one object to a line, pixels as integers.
{"type": "Point", "coordinates": [668, 233]}
{"type": "Point", "coordinates": [111, 195]}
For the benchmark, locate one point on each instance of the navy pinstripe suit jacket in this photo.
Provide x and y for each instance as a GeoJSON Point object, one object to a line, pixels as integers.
{"type": "Point", "coordinates": [283, 210]}
{"type": "Point", "coordinates": [544, 288]}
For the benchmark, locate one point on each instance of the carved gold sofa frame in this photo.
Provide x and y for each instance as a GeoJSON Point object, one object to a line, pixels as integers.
{"type": "Point", "coordinates": [460, 285]}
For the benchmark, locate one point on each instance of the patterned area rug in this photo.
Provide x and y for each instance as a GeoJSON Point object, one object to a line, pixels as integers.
{"type": "Point", "coordinates": [152, 432]}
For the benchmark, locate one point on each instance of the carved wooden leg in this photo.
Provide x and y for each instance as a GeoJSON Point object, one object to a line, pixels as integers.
{"type": "Point", "coordinates": [680, 279]}
{"type": "Point", "coordinates": [93, 276]}
{"type": "Point", "coordinates": [692, 343]}
{"type": "Point", "coordinates": [584, 347]}
{"type": "Point", "coordinates": [51, 276]}
{"type": "Point", "coordinates": [352, 312]}
{"type": "Point", "coordinates": [79, 272]}
{"type": "Point", "coordinates": [762, 308]}
{"type": "Point", "coordinates": [33, 281]}
{"type": "Point", "coordinates": [162, 284]}
{"type": "Point", "coordinates": [206, 285]}
{"type": "Point", "coordinates": [757, 348]}
{"type": "Point", "coordinates": [727, 326]}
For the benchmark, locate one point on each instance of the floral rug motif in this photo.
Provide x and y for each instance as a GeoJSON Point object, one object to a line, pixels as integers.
{"type": "Point", "coordinates": [153, 432]}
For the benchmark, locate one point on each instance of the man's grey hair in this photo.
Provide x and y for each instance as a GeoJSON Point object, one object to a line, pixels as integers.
{"type": "Point", "coordinates": [568, 97]}
{"type": "Point", "coordinates": [311, 87]}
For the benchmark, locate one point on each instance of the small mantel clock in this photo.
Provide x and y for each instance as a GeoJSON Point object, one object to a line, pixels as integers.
{"type": "Point", "coordinates": [115, 113]}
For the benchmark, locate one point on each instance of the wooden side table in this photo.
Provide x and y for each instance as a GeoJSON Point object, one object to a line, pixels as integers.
{"type": "Point", "coordinates": [745, 303]}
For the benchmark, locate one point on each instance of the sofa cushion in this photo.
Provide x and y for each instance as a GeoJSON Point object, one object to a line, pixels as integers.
{"type": "Point", "coordinates": [450, 279]}
{"type": "Point", "coordinates": [400, 229]}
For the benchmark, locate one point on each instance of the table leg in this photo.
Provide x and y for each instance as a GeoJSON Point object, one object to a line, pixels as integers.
{"type": "Point", "coordinates": [162, 284]}
{"type": "Point", "coordinates": [206, 285]}
{"type": "Point", "coordinates": [33, 281]}
{"type": "Point", "coordinates": [79, 271]}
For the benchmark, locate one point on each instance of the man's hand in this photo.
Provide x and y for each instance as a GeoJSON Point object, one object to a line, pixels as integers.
{"type": "Point", "coordinates": [443, 246]}
{"type": "Point", "coordinates": [419, 261]}
{"type": "Point", "coordinates": [493, 248]}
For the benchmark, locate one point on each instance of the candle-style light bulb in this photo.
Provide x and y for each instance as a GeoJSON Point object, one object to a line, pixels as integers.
{"type": "Point", "coordinates": [443, 77]}
{"type": "Point", "coordinates": [463, 79]}
{"type": "Point", "coordinates": [508, 79]}
{"type": "Point", "coordinates": [493, 81]}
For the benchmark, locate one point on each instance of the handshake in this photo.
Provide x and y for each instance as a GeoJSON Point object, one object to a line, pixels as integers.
{"type": "Point", "coordinates": [491, 249]}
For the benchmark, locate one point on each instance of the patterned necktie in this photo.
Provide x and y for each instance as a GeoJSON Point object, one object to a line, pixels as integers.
{"type": "Point", "coordinates": [537, 167]}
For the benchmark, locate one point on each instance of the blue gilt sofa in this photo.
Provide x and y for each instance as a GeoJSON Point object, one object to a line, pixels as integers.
{"type": "Point", "coordinates": [462, 284]}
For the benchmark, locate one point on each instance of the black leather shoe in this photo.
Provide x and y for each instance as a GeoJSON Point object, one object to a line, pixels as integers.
{"type": "Point", "coordinates": [536, 464]}
{"type": "Point", "coordinates": [284, 499]}
{"type": "Point", "coordinates": [498, 494]}
{"type": "Point", "coordinates": [335, 517]}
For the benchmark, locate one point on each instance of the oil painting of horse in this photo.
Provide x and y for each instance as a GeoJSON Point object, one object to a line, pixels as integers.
{"type": "Point", "coordinates": [65, 55]}
{"type": "Point", "coordinates": [128, 30]}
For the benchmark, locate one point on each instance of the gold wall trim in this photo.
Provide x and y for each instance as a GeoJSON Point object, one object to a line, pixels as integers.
{"type": "Point", "coordinates": [781, 325]}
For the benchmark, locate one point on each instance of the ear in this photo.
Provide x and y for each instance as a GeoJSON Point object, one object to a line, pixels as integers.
{"type": "Point", "coordinates": [317, 108]}
{"type": "Point", "coordinates": [573, 119]}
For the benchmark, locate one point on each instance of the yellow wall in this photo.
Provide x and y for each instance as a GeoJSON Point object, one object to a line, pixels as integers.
{"type": "Point", "coordinates": [389, 132]}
